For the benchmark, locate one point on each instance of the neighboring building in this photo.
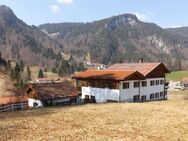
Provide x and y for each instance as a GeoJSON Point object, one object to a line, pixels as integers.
{"type": "Point", "coordinates": [12, 103]}
{"type": "Point", "coordinates": [185, 82]}
{"type": "Point", "coordinates": [44, 80]}
{"type": "Point", "coordinates": [48, 94]}
{"type": "Point", "coordinates": [124, 83]}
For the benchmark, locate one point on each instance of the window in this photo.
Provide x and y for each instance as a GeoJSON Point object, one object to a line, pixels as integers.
{"type": "Point", "coordinates": [126, 85]}
{"type": "Point", "coordinates": [152, 83]}
{"type": "Point", "coordinates": [86, 96]}
{"type": "Point", "coordinates": [161, 94]}
{"type": "Point", "coordinates": [111, 85]}
{"type": "Point", "coordinates": [165, 93]}
{"type": "Point", "coordinates": [156, 95]}
{"type": "Point", "coordinates": [136, 98]}
{"type": "Point", "coordinates": [93, 99]}
{"type": "Point", "coordinates": [143, 98]}
{"type": "Point", "coordinates": [82, 83]}
{"type": "Point", "coordinates": [144, 83]}
{"type": "Point", "coordinates": [136, 84]}
{"type": "Point", "coordinates": [152, 96]}
{"type": "Point", "coordinates": [157, 82]}
{"type": "Point", "coordinates": [35, 104]}
{"type": "Point", "coordinates": [161, 82]}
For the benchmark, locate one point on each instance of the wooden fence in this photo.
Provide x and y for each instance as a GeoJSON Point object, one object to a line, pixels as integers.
{"type": "Point", "coordinates": [13, 107]}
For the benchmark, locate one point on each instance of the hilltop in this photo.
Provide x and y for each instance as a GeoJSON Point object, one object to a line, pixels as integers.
{"type": "Point", "coordinates": [21, 41]}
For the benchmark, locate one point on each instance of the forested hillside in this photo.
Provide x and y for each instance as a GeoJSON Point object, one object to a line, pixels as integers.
{"type": "Point", "coordinates": [120, 38]}
{"type": "Point", "coordinates": [20, 41]}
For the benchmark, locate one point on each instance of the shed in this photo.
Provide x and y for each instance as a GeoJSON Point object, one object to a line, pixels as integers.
{"type": "Point", "coordinates": [49, 94]}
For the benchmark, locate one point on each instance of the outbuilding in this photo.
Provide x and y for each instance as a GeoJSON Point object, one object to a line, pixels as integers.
{"type": "Point", "coordinates": [50, 94]}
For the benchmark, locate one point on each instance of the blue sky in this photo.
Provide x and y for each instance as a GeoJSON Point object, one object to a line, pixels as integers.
{"type": "Point", "coordinates": [165, 13]}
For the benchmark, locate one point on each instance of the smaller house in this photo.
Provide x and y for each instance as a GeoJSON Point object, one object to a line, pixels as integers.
{"type": "Point", "coordinates": [185, 82]}
{"type": "Point", "coordinates": [49, 94]}
{"type": "Point", "coordinates": [12, 103]}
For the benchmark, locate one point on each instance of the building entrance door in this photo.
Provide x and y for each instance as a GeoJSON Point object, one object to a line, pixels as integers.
{"type": "Point", "coordinates": [136, 98]}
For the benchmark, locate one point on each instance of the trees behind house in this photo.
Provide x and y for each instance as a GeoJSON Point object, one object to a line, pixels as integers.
{"type": "Point", "coordinates": [28, 77]}
{"type": "Point", "coordinates": [40, 74]}
{"type": "Point", "coordinates": [68, 67]}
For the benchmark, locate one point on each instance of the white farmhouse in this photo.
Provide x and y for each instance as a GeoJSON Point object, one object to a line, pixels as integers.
{"type": "Point", "coordinates": [123, 83]}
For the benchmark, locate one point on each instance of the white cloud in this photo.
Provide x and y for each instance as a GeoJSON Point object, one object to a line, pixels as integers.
{"type": "Point", "coordinates": [65, 1]}
{"type": "Point", "coordinates": [54, 8]}
{"type": "Point", "coordinates": [176, 26]}
{"type": "Point", "coordinates": [142, 17]}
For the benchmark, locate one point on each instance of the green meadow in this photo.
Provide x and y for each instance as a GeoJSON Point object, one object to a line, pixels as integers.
{"type": "Point", "coordinates": [177, 76]}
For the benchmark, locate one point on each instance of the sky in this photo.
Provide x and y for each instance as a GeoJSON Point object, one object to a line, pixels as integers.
{"type": "Point", "coordinates": [165, 13]}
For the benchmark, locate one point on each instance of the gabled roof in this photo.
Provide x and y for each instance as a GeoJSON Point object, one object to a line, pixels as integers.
{"type": "Point", "coordinates": [12, 100]}
{"type": "Point", "coordinates": [53, 90]}
{"type": "Point", "coordinates": [143, 68]}
{"type": "Point", "coordinates": [108, 74]}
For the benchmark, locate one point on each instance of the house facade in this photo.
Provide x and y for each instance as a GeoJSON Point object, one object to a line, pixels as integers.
{"type": "Point", "coordinates": [50, 94]}
{"type": "Point", "coordinates": [124, 83]}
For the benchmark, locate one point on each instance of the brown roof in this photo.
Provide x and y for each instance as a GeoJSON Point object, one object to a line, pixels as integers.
{"type": "Point", "coordinates": [12, 100]}
{"type": "Point", "coordinates": [107, 74]}
{"type": "Point", "coordinates": [54, 90]}
{"type": "Point", "coordinates": [143, 68]}
{"type": "Point", "coordinates": [185, 80]}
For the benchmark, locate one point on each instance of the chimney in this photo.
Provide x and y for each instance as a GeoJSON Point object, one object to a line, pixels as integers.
{"type": "Point", "coordinates": [141, 60]}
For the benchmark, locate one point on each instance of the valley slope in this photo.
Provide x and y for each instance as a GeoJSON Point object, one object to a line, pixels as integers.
{"type": "Point", "coordinates": [21, 41]}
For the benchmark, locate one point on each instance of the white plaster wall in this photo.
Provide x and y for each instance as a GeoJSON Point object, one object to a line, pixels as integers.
{"type": "Point", "coordinates": [31, 101]}
{"type": "Point", "coordinates": [101, 94]}
{"type": "Point", "coordinates": [152, 89]}
{"type": "Point", "coordinates": [127, 94]}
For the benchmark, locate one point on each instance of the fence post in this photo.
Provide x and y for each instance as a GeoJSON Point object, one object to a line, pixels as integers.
{"type": "Point", "coordinates": [12, 106]}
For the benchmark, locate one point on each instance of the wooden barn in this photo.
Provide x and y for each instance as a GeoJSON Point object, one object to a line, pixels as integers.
{"type": "Point", "coordinates": [50, 94]}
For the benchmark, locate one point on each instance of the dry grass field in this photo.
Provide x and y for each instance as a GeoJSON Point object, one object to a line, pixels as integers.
{"type": "Point", "coordinates": [35, 70]}
{"type": "Point", "coordinates": [6, 85]}
{"type": "Point", "coordinates": [151, 121]}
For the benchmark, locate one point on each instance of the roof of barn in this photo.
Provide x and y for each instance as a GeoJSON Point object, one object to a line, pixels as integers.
{"type": "Point", "coordinates": [46, 91]}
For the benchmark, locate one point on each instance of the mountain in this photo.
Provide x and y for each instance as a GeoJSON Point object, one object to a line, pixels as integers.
{"type": "Point", "coordinates": [120, 38]}
{"type": "Point", "coordinates": [21, 41]}
{"type": "Point", "coordinates": [181, 31]}
{"type": "Point", "coordinates": [181, 34]}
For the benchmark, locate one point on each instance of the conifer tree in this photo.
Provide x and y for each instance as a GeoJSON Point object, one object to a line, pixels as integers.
{"type": "Point", "coordinates": [28, 74]}
{"type": "Point", "coordinates": [40, 74]}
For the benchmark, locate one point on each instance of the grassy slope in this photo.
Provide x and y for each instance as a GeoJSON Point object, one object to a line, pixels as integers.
{"type": "Point", "coordinates": [35, 70]}
{"type": "Point", "coordinates": [164, 120]}
{"type": "Point", "coordinates": [6, 85]}
{"type": "Point", "coordinates": [177, 76]}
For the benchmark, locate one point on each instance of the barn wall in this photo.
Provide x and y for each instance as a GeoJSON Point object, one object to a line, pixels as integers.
{"type": "Point", "coordinates": [101, 94]}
